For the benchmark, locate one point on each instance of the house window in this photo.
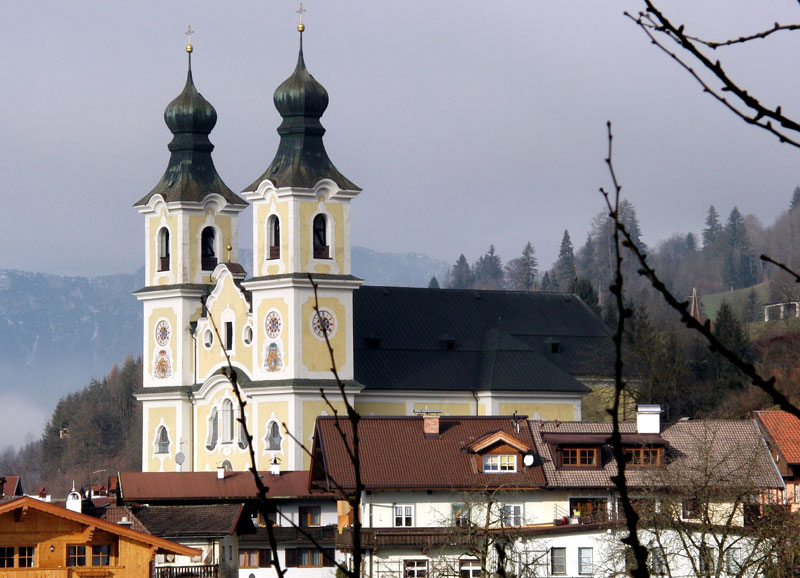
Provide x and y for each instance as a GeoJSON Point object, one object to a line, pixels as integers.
{"type": "Point", "coordinates": [415, 568]}
{"type": "Point", "coordinates": [274, 238]}
{"type": "Point", "coordinates": [309, 516]}
{"type": "Point", "coordinates": [658, 562]}
{"type": "Point", "coordinates": [469, 569]}
{"type": "Point", "coordinates": [163, 249]}
{"type": "Point", "coordinates": [227, 421]}
{"type": "Point", "coordinates": [254, 558]}
{"type": "Point", "coordinates": [310, 557]}
{"type": "Point", "coordinates": [590, 509]}
{"type": "Point", "coordinates": [690, 509]}
{"type": "Point", "coordinates": [733, 561]}
{"type": "Point", "coordinates": [7, 557]}
{"type": "Point", "coordinates": [208, 253]}
{"type": "Point", "coordinates": [213, 423]}
{"type": "Point", "coordinates": [705, 560]}
{"type": "Point", "coordinates": [26, 556]}
{"type": "Point", "coordinates": [403, 515]}
{"type": "Point", "coordinates": [101, 555]}
{"type": "Point", "coordinates": [76, 555]}
{"type": "Point", "coordinates": [579, 457]}
{"type": "Point", "coordinates": [163, 440]}
{"type": "Point", "coordinates": [585, 561]}
{"type": "Point", "coordinates": [512, 515]}
{"type": "Point", "coordinates": [229, 336]}
{"type": "Point", "coordinates": [274, 436]}
{"type": "Point", "coordinates": [499, 463]}
{"type": "Point", "coordinates": [558, 561]}
{"type": "Point", "coordinates": [460, 516]}
{"type": "Point", "coordinates": [643, 457]}
{"type": "Point", "coordinates": [321, 248]}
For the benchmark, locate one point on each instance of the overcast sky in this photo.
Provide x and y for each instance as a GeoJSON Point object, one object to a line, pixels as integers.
{"type": "Point", "coordinates": [466, 123]}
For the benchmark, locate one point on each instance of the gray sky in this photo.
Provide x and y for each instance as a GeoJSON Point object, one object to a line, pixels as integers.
{"type": "Point", "coordinates": [466, 123]}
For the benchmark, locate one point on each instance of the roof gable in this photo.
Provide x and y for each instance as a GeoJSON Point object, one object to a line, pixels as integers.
{"type": "Point", "coordinates": [494, 438]}
{"type": "Point", "coordinates": [784, 429]}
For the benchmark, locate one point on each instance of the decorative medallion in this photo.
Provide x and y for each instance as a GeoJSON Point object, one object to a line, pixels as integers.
{"type": "Point", "coordinates": [162, 332]}
{"type": "Point", "coordinates": [272, 360]}
{"type": "Point", "coordinates": [162, 368]}
{"type": "Point", "coordinates": [323, 323]}
{"type": "Point", "coordinates": [273, 324]}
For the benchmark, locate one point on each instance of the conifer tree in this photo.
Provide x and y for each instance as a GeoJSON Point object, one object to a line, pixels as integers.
{"type": "Point", "coordinates": [460, 275]}
{"type": "Point", "coordinates": [521, 273]}
{"type": "Point", "coordinates": [795, 199]}
{"type": "Point", "coordinates": [565, 266]}
{"type": "Point", "coordinates": [713, 227]}
{"type": "Point", "coordinates": [488, 271]}
{"type": "Point", "coordinates": [433, 283]}
{"type": "Point", "coordinates": [739, 267]}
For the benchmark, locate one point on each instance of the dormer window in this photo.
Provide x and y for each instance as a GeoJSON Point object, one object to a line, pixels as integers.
{"type": "Point", "coordinates": [273, 238]}
{"type": "Point", "coordinates": [643, 457]}
{"type": "Point", "coordinates": [321, 248]}
{"type": "Point", "coordinates": [208, 253]}
{"type": "Point", "coordinates": [163, 249]}
{"type": "Point", "coordinates": [499, 463]}
{"type": "Point", "coordinates": [579, 457]}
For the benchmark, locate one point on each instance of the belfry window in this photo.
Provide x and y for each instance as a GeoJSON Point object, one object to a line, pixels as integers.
{"type": "Point", "coordinates": [321, 248]}
{"type": "Point", "coordinates": [274, 436]}
{"type": "Point", "coordinates": [227, 421]}
{"type": "Point", "coordinates": [274, 238]}
{"type": "Point", "coordinates": [208, 253]}
{"type": "Point", "coordinates": [163, 249]}
{"type": "Point", "coordinates": [162, 440]}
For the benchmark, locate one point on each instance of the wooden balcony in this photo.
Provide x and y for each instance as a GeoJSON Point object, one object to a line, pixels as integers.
{"type": "Point", "coordinates": [208, 571]}
{"type": "Point", "coordinates": [274, 252]}
{"type": "Point", "coordinates": [374, 538]}
{"type": "Point", "coordinates": [322, 252]}
{"type": "Point", "coordinates": [289, 536]}
{"type": "Point", "coordinates": [163, 264]}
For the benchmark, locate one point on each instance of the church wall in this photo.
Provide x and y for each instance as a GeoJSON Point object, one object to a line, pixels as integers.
{"type": "Point", "coordinates": [335, 215]}
{"type": "Point", "coordinates": [223, 225]}
{"type": "Point", "coordinates": [156, 417]}
{"type": "Point", "coordinates": [153, 349]}
{"type": "Point", "coordinates": [154, 226]}
{"type": "Point", "coordinates": [225, 304]}
{"type": "Point", "coordinates": [564, 411]}
{"type": "Point", "coordinates": [272, 336]}
{"type": "Point", "coordinates": [224, 449]}
{"type": "Point", "coordinates": [265, 413]}
{"type": "Point", "coordinates": [381, 407]}
{"type": "Point", "coordinates": [311, 408]}
{"type": "Point", "coordinates": [316, 357]}
{"type": "Point", "coordinates": [262, 211]}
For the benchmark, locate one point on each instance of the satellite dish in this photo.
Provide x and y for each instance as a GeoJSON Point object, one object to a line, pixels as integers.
{"type": "Point", "coordinates": [528, 460]}
{"type": "Point", "coordinates": [180, 458]}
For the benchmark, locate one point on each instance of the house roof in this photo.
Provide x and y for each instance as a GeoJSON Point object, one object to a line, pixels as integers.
{"type": "Point", "coordinates": [724, 453]}
{"type": "Point", "coordinates": [147, 487]}
{"type": "Point", "coordinates": [160, 544]}
{"type": "Point", "coordinates": [445, 339]}
{"type": "Point", "coordinates": [186, 521]}
{"type": "Point", "coordinates": [10, 486]}
{"type": "Point", "coordinates": [395, 453]}
{"type": "Point", "coordinates": [784, 429]}
{"type": "Point", "coordinates": [117, 514]}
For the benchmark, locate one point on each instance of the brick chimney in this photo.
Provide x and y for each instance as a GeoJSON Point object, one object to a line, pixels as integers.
{"type": "Point", "coordinates": [430, 426]}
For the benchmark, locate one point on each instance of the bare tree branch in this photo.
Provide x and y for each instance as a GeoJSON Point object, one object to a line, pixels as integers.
{"type": "Point", "coordinates": [781, 266]}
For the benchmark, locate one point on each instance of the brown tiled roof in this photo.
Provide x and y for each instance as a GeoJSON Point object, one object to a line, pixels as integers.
{"type": "Point", "coordinates": [145, 487]}
{"type": "Point", "coordinates": [204, 520]}
{"type": "Point", "coordinates": [784, 429]}
{"type": "Point", "coordinates": [12, 486]}
{"type": "Point", "coordinates": [115, 515]}
{"type": "Point", "coordinates": [395, 453]}
{"type": "Point", "coordinates": [725, 453]}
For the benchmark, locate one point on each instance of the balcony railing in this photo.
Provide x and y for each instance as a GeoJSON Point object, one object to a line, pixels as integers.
{"type": "Point", "coordinates": [163, 263]}
{"type": "Point", "coordinates": [275, 252]}
{"type": "Point", "coordinates": [411, 537]}
{"type": "Point", "coordinates": [289, 536]}
{"type": "Point", "coordinates": [208, 571]}
{"type": "Point", "coordinates": [208, 263]}
{"type": "Point", "coordinates": [322, 252]}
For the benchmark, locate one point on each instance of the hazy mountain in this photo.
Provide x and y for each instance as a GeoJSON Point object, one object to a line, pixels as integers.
{"type": "Point", "coordinates": [57, 332]}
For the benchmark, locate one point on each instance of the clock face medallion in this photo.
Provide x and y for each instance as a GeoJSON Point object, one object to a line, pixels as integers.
{"type": "Point", "coordinates": [272, 324]}
{"type": "Point", "coordinates": [162, 332]}
{"type": "Point", "coordinates": [323, 323]}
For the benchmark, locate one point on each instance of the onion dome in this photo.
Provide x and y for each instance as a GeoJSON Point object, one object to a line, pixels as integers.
{"type": "Point", "coordinates": [190, 175]}
{"type": "Point", "coordinates": [301, 160]}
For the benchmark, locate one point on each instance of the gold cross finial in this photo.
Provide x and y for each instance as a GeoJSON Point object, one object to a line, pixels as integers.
{"type": "Point", "coordinates": [301, 26]}
{"type": "Point", "coordinates": [189, 33]}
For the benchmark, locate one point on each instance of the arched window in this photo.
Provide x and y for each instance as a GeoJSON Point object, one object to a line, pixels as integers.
{"type": "Point", "coordinates": [208, 253]}
{"type": "Point", "coordinates": [321, 249]}
{"type": "Point", "coordinates": [274, 437]}
{"type": "Point", "coordinates": [213, 424]}
{"type": "Point", "coordinates": [242, 433]}
{"type": "Point", "coordinates": [163, 249]}
{"type": "Point", "coordinates": [162, 440]}
{"type": "Point", "coordinates": [227, 421]}
{"type": "Point", "coordinates": [274, 238]}
{"type": "Point", "coordinates": [227, 466]}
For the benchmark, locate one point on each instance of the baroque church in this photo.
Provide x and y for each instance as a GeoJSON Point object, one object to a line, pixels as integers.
{"type": "Point", "coordinates": [396, 350]}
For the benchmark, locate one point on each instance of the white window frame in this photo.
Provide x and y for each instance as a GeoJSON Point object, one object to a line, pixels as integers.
{"type": "Point", "coordinates": [510, 513]}
{"type": "Point", "coordinates": [227, 430]}
{"type": "Point", "coordinates": [499, 464]}
{"type": "Point", "coordinates": [733, 561]}
{"type": "Point", "coordinates": [404, 513]}
{"type": "Point", "coordinates": [469, 568]}
{"type": "Point", "coordinates": [415, 568]}
{"type": "Point", "coordinates": [162, 430]}
{"type": "Point", "coordinates": [585, 561]}
{"type": "Point", "coordinates": [562, 561]}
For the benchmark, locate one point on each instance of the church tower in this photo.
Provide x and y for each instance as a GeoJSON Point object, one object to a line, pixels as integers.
{"type": "Point", "coordinates": [190, 223]}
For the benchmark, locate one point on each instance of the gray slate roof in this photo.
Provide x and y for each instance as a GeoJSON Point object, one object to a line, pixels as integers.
{"type": "Point", "coordinates": [211, 520]}
{"type": "Point", "coordinates": [445, 339]}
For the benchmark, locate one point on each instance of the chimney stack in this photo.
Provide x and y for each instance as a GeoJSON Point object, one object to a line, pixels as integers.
{"type": "Point", "coordinates": [430, 425]}
{"type": "Point", "coordinates": [648, 419]}
{"type": "Point", "coordinates": [220, 472]}
{"type": "Point", "coordinates": [275, 466]}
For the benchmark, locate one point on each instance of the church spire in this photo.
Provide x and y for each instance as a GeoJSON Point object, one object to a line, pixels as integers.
{"type": "Point", "coordinates": [190, 174]}
{"type": "Point", "coordinates": [301, 160]}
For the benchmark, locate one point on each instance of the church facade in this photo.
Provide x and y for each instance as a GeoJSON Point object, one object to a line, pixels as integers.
{"type": "Point", "coordinates": [395, 350]}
